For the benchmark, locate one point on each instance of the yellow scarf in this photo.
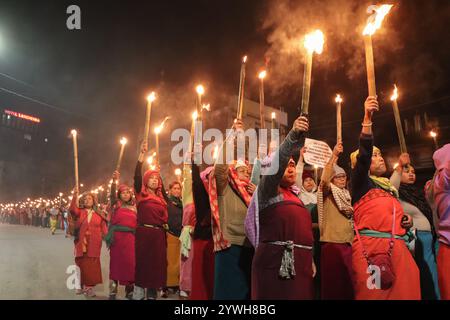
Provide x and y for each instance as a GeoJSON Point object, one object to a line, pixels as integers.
{"type": "Point", "coordinates": [385, 184]}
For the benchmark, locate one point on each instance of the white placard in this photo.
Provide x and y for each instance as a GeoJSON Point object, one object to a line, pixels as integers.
{"type": "Point", "coordinates": [317, 152]}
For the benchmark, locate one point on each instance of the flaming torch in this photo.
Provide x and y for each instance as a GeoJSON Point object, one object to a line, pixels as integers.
{"type": "Point", "coordinates": [75, 157]}
{"type": "Point", "coordinates": [200, 92]}
{"type": "Point", "coordinates": [373, 23]}
{"type": "Point", "coordinates": [240, 108]}
{"type": "Point", "coordinates": [433, 134]}
{"type": "Point", "coordinates": [150, 98]}
{"type": "Point", "coordinates": [123, 142]}
{"type": "Point", "coordinates": [398, 121]}
{"type": "Point", "coordinates": [313, 43]}
{"type": "Point", "coordinates": [338, 101]}
{"type": "Point", "coordinates": [178, 174]}
{"type": "Point", "coordinates": [261, 77]}
{"type": "Point", "coordinates": [158, 130]}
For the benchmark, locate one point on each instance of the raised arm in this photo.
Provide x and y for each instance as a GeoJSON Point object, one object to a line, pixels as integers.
{"type": "Point", "coordinates": [268, 186]}
{"type": "Point", "coordinates": [360, 173]}
{"type": "Point", "coordinates": [221, 167]}
{"type": "Point", "coordinates": [329, 168]}
{"type": "Point", "coordinates": [138, 170]}
{"type": "Point", "coordinates": [73, 209]}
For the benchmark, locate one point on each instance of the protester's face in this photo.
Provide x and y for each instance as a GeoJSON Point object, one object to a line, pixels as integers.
{"type": "Point", "coordinates": [153, 182]}
{"type": "Point", "coordinates": [125, 196]}
{"type": "Point", "coordinates": [176, 190]}
{"type": "Point", "coordinates": [409, 175]}
{"type": "Point", "coordinates": [377, 167]}
{"type": "Point", "coordinates": [243, 173]}
{"type": "Point", "coordinates": [290, 174]}
{"type": "Point", "coordinates": [88, 201]}
{"type": "Point", "coordinates": [309, 184]}
{"type": "Point", "coordinates": [340, 181]}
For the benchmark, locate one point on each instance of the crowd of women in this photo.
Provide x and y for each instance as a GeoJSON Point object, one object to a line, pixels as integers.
{"type": "Point", "coordinates": [239, 231]}
{"type": "Point", "coordinates": [53, 217]}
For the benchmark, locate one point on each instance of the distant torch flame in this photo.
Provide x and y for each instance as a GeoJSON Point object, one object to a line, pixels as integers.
{"type": "Point", "coordinates": [194, 115]}
{"type": "Point", "coordinates": [200, 89]}
{"type": "Point", "coordinates": [314, 42]}
{"type": "Point", "coordinates": [273, 115]}
{"type": "Point", "coordinates": [123, 141]}
{"type": "Point", "coordinates": [262, 74]}
{"type": "Point", "coordinates": [394, 94]}
{"type": "Point", "coordinates": [73, 132]}
{"type": "Point", "coordinates": [433, 134]}
{"type": "Point", "coordinates": [150, 160]}
{"type": "Point", "coordinates": [338, 99]}
{"type": "Point", "coordinates": [178, 172]}
{"type": "Point", "coordinates": [375, 20]}
{"type": "Point", "coordinates": [244, 59]}
{"type": "Point", "coordinates": [207, 107]}
{"type": "Point", "coordinates": [159, 128]}
{"type": "Point", "coordinates": [151, 97]}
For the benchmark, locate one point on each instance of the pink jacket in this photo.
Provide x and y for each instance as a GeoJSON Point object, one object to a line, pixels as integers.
{"type": "Point", "coordinates": [438, 191]}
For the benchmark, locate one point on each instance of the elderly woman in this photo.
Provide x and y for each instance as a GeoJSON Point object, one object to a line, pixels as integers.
{"type": "Point", "coordinates": [384, 269]}
{"type": "Point", "coordinates": [92, 226]}
{"type": "Point", "coordinates": [336, 231]}
{"type": "Point", "coordinates": [279, 226]}
{"type": "Point", "coordinates": [151, 246]}
{"type": "Point", "coordinates": [120, 238]}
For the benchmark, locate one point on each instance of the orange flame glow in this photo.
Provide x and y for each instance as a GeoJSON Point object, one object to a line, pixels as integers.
{"type": "Point", "coordinates": [151, 97]}
{"type": "Point", "coordinates": [394, 94]}
{"type": "Point", "coordinates": [314, 42]}
{"type": "Point", "coordinates": [338, 99]}
{"type": "Point", "coordinates": [375, 20]}
{"type": "Point", "coordinates": [262, 74]}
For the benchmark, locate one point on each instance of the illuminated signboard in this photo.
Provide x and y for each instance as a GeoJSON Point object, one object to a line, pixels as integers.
{"type": "Point", "coordinates": [22, 116]}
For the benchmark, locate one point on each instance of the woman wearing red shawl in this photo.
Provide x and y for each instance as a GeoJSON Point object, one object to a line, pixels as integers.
{"type": "Point", "coordinates": [384, 269]}
{"type": "Point", "coordinates": [91, 225]}
{"type": "Point", "coordinates": [120, 239]}
{"type": "Point", "coordinates": [279, 226]}
{"type": "Point", "coordinates": [152, 217]}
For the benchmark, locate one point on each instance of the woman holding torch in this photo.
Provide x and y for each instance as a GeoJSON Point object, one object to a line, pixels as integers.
{"type": "Point", "coordinates": [279, 227]}
{"type": "Point", "coordinates": [380, 245]}
{"type": "Point", "coordinates": [91, 225]}
{"type": "Point", "coordinates": [120, 238]}
{"type": "Point", "coordinates": [152, 217]}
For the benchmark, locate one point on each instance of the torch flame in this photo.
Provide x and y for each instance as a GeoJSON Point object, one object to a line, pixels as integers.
{"type": "Point", "coordinates": [207, 107]}
{"type": "Point", "coordinates": [123, 141]}
{"type": "Point", "coordinates": [273, 115]}
{"type": "Point", "coordinates": [151, 97]}
{"type": "Point", "coordinates": [314, 42]}
{"type": "Point", "coordinates": [375, 20]}
{"type": "Point", "coordinates": [433, 134]}
{"type": "Point", "coordinates": [159, 128]}
{"type": "Point", "coordinates": [150, 160]}
{"type": "Point", "coordinates": [244, 59]}
{"type": "Point", "coordinates": [200, 89]}
{"type": "Point", "coordinates": [194, 115]}
{"type": "Point", "coordinates": [74, 132]}
{"type": "Point", "coordinates": [338, 99]}
{"type": "Point", "coordinates": [262, 74]}
{"type": "Point", "coordinates": [394, 94]}
{"type": "Point", "coordinates": [178, 172]}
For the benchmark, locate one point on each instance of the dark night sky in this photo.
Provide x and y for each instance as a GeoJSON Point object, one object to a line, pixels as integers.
{"type": "Point", "coordinates": [99, 76]}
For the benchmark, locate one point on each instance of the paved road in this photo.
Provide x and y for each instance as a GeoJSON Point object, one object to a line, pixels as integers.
{"type": "Point", "coordinates": [33, 265]}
